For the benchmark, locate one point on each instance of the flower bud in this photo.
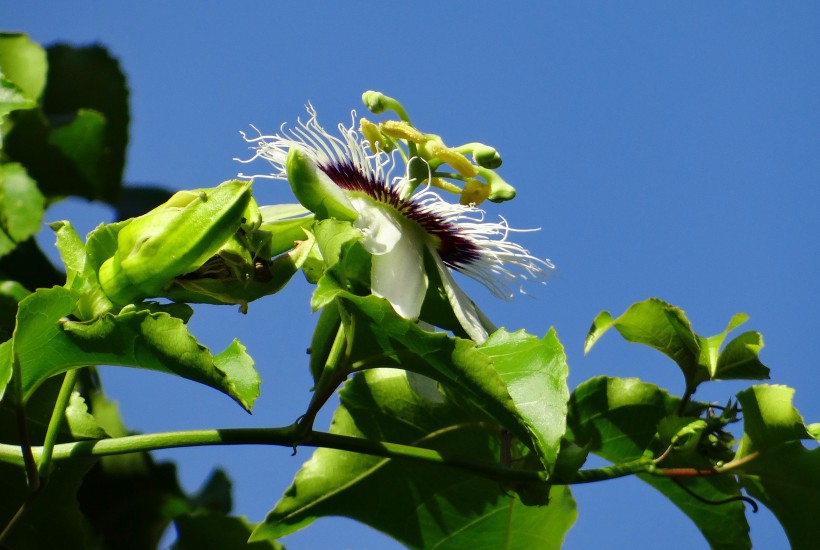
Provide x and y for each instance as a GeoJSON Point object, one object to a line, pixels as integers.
{"type": "Point", "coordinates": [377, 103]}
{"type": "Point", "coordinates": [500, 190]}
{"type": "Point", "coordinates": [173, 239]}
{"type": "Point", "coordinates": [486, 156]}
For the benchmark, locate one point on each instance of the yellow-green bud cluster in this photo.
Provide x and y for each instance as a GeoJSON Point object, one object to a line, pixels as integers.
{"type": "Point", "coordinates": [479, 181]}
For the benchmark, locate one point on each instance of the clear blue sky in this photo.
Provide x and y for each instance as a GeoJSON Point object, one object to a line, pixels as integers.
{"type": "Point", "coordinates": [667, 149]}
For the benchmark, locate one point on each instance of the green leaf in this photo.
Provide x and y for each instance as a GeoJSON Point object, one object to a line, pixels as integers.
{"type": "Point", "coordinates": [618, 419]}
{"type": "Point", "coordinates": [287, 224]}
{"type": "Point", "coordinates": [56, 506]}
{"type": "Point", "coordinates": [214, 530]}
{"type": "Point", "coordinates": [11, 292]}
{"type": "Point", "coordinates": [28, 265]}
{"type": "Point", "coordinates": [346, 263]}
{"type": "Point", "coordinates": [739, 359]}
{"type": "Point", "coordinates": [75, 144]}
{"type": "Point", "coordinates": [81, 423]}
{"type": "Point", "coordinates": [90, 78]}
{"type": "Point", "coordinates": [82, 141]}
{"type": "Point", "coordinates": [535, 372]}
{"type": "Point", "coordinates": [24, 63]}
{"type": "Point", "coordinates": [384, 339]}
{"type": "Point", "coordinates": [710, 347]}
{"type": "Point", "coordinates": [11, 99]}
{"type": "Point", "coordinates": [664, 327]}
{"type": "Point", "coordinates": [46, 345]}
{"type": "Point", "coordinates": [430, 506]}
{"type": "Point", "coordinates": [657, 324]}
{"type": "Point", "coordinates": [781, 473]}
{"type": "Point", "coordinates": [130, 500]}
{"type": "Point", "coordinates": [21, 207]}
{"type": "Point", "coordinates": [215, 494]}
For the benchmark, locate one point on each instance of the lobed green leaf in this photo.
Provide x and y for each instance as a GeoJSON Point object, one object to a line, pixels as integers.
{"type": "Point", "coordinates": [45, 344]}
{"type": "Point", "coordinates": [664, 327]}
{"type": "Point", "coordinates": [429, 506]}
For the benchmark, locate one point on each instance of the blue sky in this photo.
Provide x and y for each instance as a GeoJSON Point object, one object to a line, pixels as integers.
{"type": "Point", "coordinates": [664, 149]}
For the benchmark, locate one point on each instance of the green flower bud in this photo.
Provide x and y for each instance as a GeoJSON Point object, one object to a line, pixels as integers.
{"type": "Point", "coordinates": [231, 277]}
{"type": "Point", "coordinates": [486, 156]}
{"type": "Point", "coordinates": [377, 103]}
{"type": "Point", "coordinates": [682, 433]}
{"type": "Point", "coordinates": [173, 239]}
{"type": "Point", "coordinates": [315, 191]}
{"type": "Point", "coordinates": [500, 190]}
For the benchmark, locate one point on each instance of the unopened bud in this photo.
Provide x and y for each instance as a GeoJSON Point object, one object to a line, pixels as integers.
{"type": "Point", "coordinates": [172, 240]}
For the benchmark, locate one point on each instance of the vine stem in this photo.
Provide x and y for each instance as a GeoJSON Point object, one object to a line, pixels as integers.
{"type": "Point", "coordinates": [294, 436]}
{"type": "Point", "coordinates": [56, 421]}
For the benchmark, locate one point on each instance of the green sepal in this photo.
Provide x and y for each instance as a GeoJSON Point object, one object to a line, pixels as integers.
{"type": "Point", "coordinates": [81, 274]}
{"type": "Point", "coordinates": [218, 283]}
{"type": "Point", "coordinates": [315, 191]}
{"type": "Point", "coordinates": [286, 224]}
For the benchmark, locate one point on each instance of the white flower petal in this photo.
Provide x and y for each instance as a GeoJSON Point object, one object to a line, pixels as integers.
{"type": "Point", "coordinates": [398, 275]}
{"type": "Point", "coordinates": [380, 228]}
{"type": "Point", "coordinates": [474, 323]}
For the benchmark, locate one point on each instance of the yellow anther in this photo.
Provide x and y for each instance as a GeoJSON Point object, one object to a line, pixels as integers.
{"type": "Point", "coordinates": [374, 136]}
{"type": "Point", "coordinates": [402, 130]}
{"type": "Point", "coordinates": [452, 157]}
{"type": "Point", "coordinates": [445, 185]}
{"type": "Point", "coordinates": [475, 192]}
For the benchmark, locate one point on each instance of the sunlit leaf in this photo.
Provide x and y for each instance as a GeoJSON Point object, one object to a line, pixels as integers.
{"type": "Point", "coordinates": [82, 141]}
{"type": "Point", "coordinates": [81, 273]}
{"type": "Point", "coordinates": [81, 423]}
{"type": "Point", "coordinates": [429, 506]}
{"type": "Point", "coordinates": [45, 344]}
{"type": "Point", "coordinates": [535, 371]}
{"type": "Point", "coordinates": [11, 99]}
{"type": "Point", "coordinates": [664, 327]}
{"type": "Point", "coordinates": [21, 206]}
{"type": "Point", "coordinates": [782, 473]}
{"type": "Point", "coordinates": [739, 359]}
{"type": "Point", "coordinates": [24, 63]}
{"type": "Point", "coordinates": [75, 144]}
